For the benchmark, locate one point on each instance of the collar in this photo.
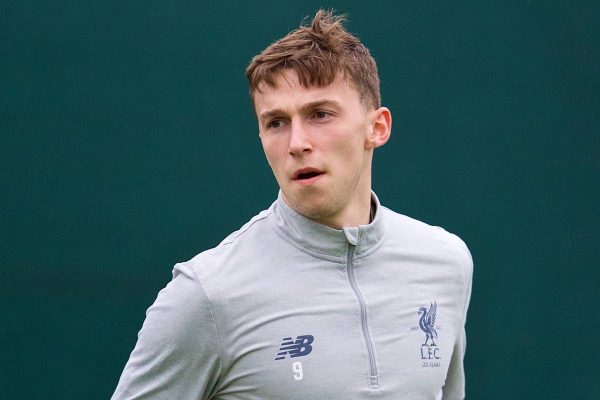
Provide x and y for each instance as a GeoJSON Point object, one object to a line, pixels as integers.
{"type": "Point", "coordinates": [323, 241]}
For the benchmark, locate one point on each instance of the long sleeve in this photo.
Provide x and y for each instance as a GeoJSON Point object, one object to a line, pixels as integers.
{"type": "Point", "coordinates": [177, 355]}
{"type": "Point", "coordinates": [454, 388]}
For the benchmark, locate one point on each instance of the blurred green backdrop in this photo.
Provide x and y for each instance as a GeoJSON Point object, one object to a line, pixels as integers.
{"type": "Point", "coordinates": [129, 144]}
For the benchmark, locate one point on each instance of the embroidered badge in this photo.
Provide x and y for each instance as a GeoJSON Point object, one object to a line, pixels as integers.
{"type": "Point", "coordinates": [427, 323]}
{"type": "Point", "coordinates": [430, 352]}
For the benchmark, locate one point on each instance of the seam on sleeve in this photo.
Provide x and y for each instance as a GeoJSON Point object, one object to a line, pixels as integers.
{"type": "Point", "coordinates": [212, 315]}
{"type": "Point", "coordinates": [234, 235]}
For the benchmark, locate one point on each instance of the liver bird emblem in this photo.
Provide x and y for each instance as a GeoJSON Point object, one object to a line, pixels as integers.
{"type": "Point", "coordinates": [427, 323]}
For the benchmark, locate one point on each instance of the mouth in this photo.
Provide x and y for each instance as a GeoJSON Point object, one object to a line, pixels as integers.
{"type": "Point", "coordinates": [306, 174]}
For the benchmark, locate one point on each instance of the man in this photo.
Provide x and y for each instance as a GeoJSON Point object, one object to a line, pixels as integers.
{"type": "Point", "coordinates": [327, 294]}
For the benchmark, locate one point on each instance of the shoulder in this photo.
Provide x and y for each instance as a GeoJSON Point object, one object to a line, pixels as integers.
{"type": "Point", "coordinates": [228, 265]}
{"type": "Point", "coordinates": [410, 232]}
{"type": "Point", "coordinates": [248, 229]}
{"type": "Point", "coordinates": [432, 248]}
{"type": "Point", "coordinates": [244, 237]}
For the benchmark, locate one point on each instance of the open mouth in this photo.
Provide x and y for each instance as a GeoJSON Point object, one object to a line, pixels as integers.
{"type": "Point", "coordinates": [306, 174]}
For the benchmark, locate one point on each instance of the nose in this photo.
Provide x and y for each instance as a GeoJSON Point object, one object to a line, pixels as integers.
{"type": "Point", "coordinates": [299, 139]}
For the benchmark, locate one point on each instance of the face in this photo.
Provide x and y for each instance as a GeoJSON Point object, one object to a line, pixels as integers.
{"type": "Point", "coordinates": [319, 143]}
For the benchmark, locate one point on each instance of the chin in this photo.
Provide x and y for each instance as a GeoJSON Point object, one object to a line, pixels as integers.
{"type": "Point", "coordinates": [313, 208]}
{"type": "Point", "coordinates": [314, 204]}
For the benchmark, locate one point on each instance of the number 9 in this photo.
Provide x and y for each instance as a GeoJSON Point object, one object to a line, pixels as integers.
{"type": "Point", "coordinates": [297, 368]}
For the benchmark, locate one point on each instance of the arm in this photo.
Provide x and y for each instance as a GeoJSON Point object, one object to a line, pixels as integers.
{"type": "Point", "coordinates": [454, 388]}
{"type": "Point", "coordinates": [177, 355]}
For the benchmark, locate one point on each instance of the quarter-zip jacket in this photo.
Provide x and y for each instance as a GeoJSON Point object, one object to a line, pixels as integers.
{"type": "Point", "coordinates": [286, 308]}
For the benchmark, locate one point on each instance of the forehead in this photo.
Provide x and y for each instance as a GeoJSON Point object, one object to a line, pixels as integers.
{"type": "Point", "coordinates": [288, 92]}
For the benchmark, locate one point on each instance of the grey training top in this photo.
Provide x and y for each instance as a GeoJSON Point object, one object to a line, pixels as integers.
{"type": "Point", "coordinates": [286, 308]}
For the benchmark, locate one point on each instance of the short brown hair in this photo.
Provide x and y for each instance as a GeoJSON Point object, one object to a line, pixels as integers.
{"type": "Point", "coordinates": [318, 53]}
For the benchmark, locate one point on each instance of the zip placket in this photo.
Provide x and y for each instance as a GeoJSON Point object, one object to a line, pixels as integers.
{"type": "Point", "coordinates": [373, 374]}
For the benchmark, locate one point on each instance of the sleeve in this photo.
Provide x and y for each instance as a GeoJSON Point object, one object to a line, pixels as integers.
{"type": "Point", "coordinates": [177, 355]}
{"type": "Point", "coordinates": [454, 388]}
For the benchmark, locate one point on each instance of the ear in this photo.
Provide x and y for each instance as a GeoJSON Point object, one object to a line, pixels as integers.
{"type": "Point", "coordinates": [381, 128]}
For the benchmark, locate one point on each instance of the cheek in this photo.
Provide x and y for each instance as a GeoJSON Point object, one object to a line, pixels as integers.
{"type": "Point", "coordinates": [352, 161]}
{"type": "Point", "coordinates": [349, 152]}
{"type": "Point", "coordinates": [268, 148]}
{"type": "Point", "coordinates": [273, 155]}
{"type": "Point", "coordinates": [271, 160]}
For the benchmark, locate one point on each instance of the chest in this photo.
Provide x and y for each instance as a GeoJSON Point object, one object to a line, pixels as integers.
{"type": "Point", "coordinates": [344, 331]}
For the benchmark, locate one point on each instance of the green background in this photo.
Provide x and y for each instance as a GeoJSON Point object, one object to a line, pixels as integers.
{"type": "Point", "coordinates": [129, 144]}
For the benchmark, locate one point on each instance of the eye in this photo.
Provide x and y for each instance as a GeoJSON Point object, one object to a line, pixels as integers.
{"type": "Point", "coordinates": [321, 114]}
{"type": "Point", "coordinates": [275, 123]}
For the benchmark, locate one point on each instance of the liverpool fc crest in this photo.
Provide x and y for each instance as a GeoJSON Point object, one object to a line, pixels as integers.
{"type": "Point", "coordinates": [427, 324]}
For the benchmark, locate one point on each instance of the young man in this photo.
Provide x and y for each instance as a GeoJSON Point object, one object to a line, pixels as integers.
{"type": "Point", "coordinates": [327, 294]}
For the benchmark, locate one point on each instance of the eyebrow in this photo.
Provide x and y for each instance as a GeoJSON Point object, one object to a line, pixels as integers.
{"type": "Point", "coordinates": [308, 106]}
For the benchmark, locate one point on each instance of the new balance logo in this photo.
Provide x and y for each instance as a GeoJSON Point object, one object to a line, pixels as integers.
{"type": "Point", "coordinates": [295, 348]}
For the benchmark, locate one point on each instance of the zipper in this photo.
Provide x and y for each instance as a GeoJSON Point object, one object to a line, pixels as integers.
{"type": "Point", "coordinates": [373, 374]}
